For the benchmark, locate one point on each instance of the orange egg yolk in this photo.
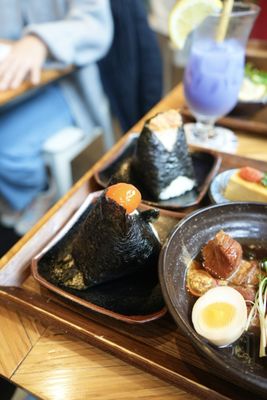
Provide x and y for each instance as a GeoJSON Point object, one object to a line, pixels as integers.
{"type": "Point", "coordinates": [126, 195]}
{"type": "Point", "coordinates": [219, 314]}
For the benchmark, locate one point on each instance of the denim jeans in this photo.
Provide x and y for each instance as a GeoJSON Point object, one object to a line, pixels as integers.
{"type": "Point", "coordinates": [24, 128]}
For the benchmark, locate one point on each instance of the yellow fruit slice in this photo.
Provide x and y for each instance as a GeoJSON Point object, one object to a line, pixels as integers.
{"type": "Point", "coordinates": [186, 15]}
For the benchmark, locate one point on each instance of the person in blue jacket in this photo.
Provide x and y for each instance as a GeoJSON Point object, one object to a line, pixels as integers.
{"type": "Point", "coordinates": [62, 33]}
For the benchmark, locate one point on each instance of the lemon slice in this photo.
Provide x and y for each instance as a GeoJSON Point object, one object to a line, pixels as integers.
{"type": "Point", "coordinates": [186, 15]}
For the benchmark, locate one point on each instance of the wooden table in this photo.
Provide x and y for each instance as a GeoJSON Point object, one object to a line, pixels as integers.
{"type": "Point", "coordinates": [54, 365]}
{"type": "Point", "coordinates": [47, 76]}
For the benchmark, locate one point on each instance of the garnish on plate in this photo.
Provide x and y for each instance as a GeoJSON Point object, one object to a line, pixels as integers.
{"type": "Point", "coordinates": [256, 75]}
{"type": "Point", "coordinates": [259, 308]}
{"type": "Point", "coordinates": [254, 86]}
{"type": "Point", "coordinates": [251, 174]}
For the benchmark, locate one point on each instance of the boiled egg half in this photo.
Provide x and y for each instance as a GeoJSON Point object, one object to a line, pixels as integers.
{"type": "Point", "coordinates": [220, 315]}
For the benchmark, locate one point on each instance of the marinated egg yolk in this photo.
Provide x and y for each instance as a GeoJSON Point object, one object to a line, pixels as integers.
{"type": "Point", "coordinates": [126, 195]}
{"type": "Point", "coordinates": [218, 314]}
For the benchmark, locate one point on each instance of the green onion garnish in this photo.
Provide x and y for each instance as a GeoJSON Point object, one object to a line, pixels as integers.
{"type": "Point", "coordinates": [264, 179]}
{"type": "Point", "coordinates": [263, 264]}
{"type": "Point", "coordinates": [260, 306]}
{"type": "Point", "coordinates": [255, 75]}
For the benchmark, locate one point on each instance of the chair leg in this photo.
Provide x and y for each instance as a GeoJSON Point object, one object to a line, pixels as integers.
{"type": "Point", "coordinates": [62, 173]}
{"type": "Point", "coordinates": [64, 146]}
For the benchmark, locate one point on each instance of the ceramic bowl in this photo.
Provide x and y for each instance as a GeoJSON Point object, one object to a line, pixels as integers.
{"type": "Point", "coordinates": [243, 221]}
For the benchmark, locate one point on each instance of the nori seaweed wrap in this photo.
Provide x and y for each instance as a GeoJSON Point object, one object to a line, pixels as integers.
{"type": "Point", "coordinates": [114, 241]}
{"type": "Point", "coordinates": [161, 164]}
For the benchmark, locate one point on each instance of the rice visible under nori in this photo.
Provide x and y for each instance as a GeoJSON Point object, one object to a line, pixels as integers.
{"type": "Point", "coordinates": [156, 167]}
{"type": "Point", "coordinates": [153, 167]}
{"type": "Point", "coordinates": [112, 243]}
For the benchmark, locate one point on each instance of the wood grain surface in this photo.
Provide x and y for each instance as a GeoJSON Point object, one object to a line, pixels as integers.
{"type": "Point", "coordinates": [47, 76]}
{"type": "Point", "coordinates": [81, 371]}
{"type": "Point", "coordinates": [53, 364]}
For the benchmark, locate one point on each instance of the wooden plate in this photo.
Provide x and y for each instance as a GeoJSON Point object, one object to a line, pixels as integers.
{"type": "Point", "coordinates": [136, 298]}
{"type": "Point", "coordinates": [206, 164]}
{"type": "Point", "coordinates": [247, 222]}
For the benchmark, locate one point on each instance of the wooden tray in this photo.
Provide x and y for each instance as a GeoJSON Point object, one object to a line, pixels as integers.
{"type": "Point", "coordinates": [158, 347]}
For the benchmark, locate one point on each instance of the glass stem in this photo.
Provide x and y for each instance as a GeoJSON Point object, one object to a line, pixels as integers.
{"type": "Point", "coordinates": [205, 128]}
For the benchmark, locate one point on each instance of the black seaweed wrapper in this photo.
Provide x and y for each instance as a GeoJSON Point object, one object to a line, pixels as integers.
{"type": "Point", "coordinates": [112, 244]}
{"type": "Point", "coordinates": [152, 167]}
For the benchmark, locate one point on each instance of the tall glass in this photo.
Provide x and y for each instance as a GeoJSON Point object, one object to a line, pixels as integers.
{"type": "Point", "coordinates": [214, 74]}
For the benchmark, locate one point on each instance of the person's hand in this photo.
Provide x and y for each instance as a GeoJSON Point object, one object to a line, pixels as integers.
{"type": "Point", "coordinates": [25, 59]}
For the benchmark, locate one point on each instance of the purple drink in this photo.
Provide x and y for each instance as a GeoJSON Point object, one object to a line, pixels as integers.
{"type": "Point", "coordinates": [213, 77]}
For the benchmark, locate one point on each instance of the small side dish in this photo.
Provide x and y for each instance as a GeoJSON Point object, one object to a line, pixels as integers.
{"type": "Point", "coordinates": [247, 184]}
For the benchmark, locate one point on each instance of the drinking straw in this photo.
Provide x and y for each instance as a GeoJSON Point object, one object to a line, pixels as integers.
{"type": "Point", "coordinates": [224, 20]}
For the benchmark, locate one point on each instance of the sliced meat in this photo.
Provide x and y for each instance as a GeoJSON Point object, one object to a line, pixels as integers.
{"type": "Point", "coordinates": [247, 274]}
{"type": "Point", "coordinates": [222, 255]}
{"type": "Point", "coordinates": [248, 292]}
